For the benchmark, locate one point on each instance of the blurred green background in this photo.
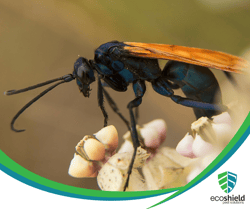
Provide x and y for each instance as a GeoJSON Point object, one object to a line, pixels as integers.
{"type": "Point", "coordinates": [40, 40]}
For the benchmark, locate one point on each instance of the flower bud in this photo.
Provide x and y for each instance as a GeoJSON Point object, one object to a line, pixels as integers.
{"type": "Point", "coordinates": [222, 118]}
{"type": "Point", "coordinates": [94, 149]}
{"type": "Point", "coordinates": [80, 167]}
{"type": "Point", "coordinates": [109, 137]}
{"type": "Point", "coordinates": [151, 137]}
{"type": "Point", "coordinates": [222, 131]}
{"type": "Point", "coordinates": [160, 126]}
{"type": "Point", "coordinates": [200, 147]}
{"type": "Point", "coordinates": [184, 147]}
{"type": "Point", "coordinates": [127, 146]}
{"type": "Point", "coordinates": [151, 134]}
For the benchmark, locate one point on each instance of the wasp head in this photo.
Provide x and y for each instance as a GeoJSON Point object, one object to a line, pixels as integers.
{"type": "Point", "coordinates": [84, 75]}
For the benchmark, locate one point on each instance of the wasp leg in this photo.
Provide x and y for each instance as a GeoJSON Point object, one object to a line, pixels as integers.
{"type": "Point", "coordinates": [136, 114]}
{"type": "Point", "coordinates": [197, 104]}
{"type": "Point", "coordinates": [100, 102]}
{"type": "Point", "coordinates": [139, 89]}
{"type": "Point", "coordinates": [115, 108]}
{"type": "Point", "coordinates": [163, 87]}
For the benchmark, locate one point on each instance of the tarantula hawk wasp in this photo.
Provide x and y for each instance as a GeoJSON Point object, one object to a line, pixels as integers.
{"type": "Point", "coordinates": [118, 64]}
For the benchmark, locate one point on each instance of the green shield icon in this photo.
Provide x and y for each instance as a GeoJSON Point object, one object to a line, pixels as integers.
{"type": "Point", "coordinates": [227, 181]}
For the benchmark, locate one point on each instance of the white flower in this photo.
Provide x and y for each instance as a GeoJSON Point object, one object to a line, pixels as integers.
{"type": "Point", "coordinates": [209, 137]}
{"type": "Point", "coordinates": [92, 152]}
{"type": "Point", "coordinates": [95, 156]}
{"type": "Point", "coordinates": [161, 167]}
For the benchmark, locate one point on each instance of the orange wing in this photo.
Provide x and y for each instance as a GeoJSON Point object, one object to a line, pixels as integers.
{"type": "Point", "coordinates": [196, 56]}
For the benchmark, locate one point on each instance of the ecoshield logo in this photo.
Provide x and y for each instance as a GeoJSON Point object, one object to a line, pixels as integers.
{"type": "Point", "coordinates": [227, 181]}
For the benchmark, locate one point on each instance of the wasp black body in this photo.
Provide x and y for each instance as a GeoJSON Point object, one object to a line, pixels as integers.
{"type": "Point", "coordinates": [119, 64]}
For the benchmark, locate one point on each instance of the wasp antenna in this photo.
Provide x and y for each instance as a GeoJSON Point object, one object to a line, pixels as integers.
{"type": "Point", "coordinates": [66, 78]}
{"type": "Point", "coordinates": [11, 92]}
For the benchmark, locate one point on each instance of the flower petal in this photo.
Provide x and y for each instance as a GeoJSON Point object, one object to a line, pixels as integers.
{"type": "Point", "coordinates": [223, 131]}
{"type": "Point", "coordinates": [80, 167]}
{"type": "Point", "coordinates": [160, 126]}
{"type": "Point", "coordinates": [109, 137]}
{"type": "Point", "coordinates": [127, 146]}
{"type": "Point", "coordinates": [151, 137]}
{"type": "Point", "coordinates": [200, 147]}
{"type": "Point", "coordinates": [94, 149]}
{"type": "Point", "coordinates": [184, 147]}
{"type": "Point", "coordinates": [195, 172]}
{"type": "Point", "coordinates": [222, 118]}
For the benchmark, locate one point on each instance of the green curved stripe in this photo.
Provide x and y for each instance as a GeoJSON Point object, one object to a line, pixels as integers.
{"type": "Point", "coordinates": [86, 193]}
